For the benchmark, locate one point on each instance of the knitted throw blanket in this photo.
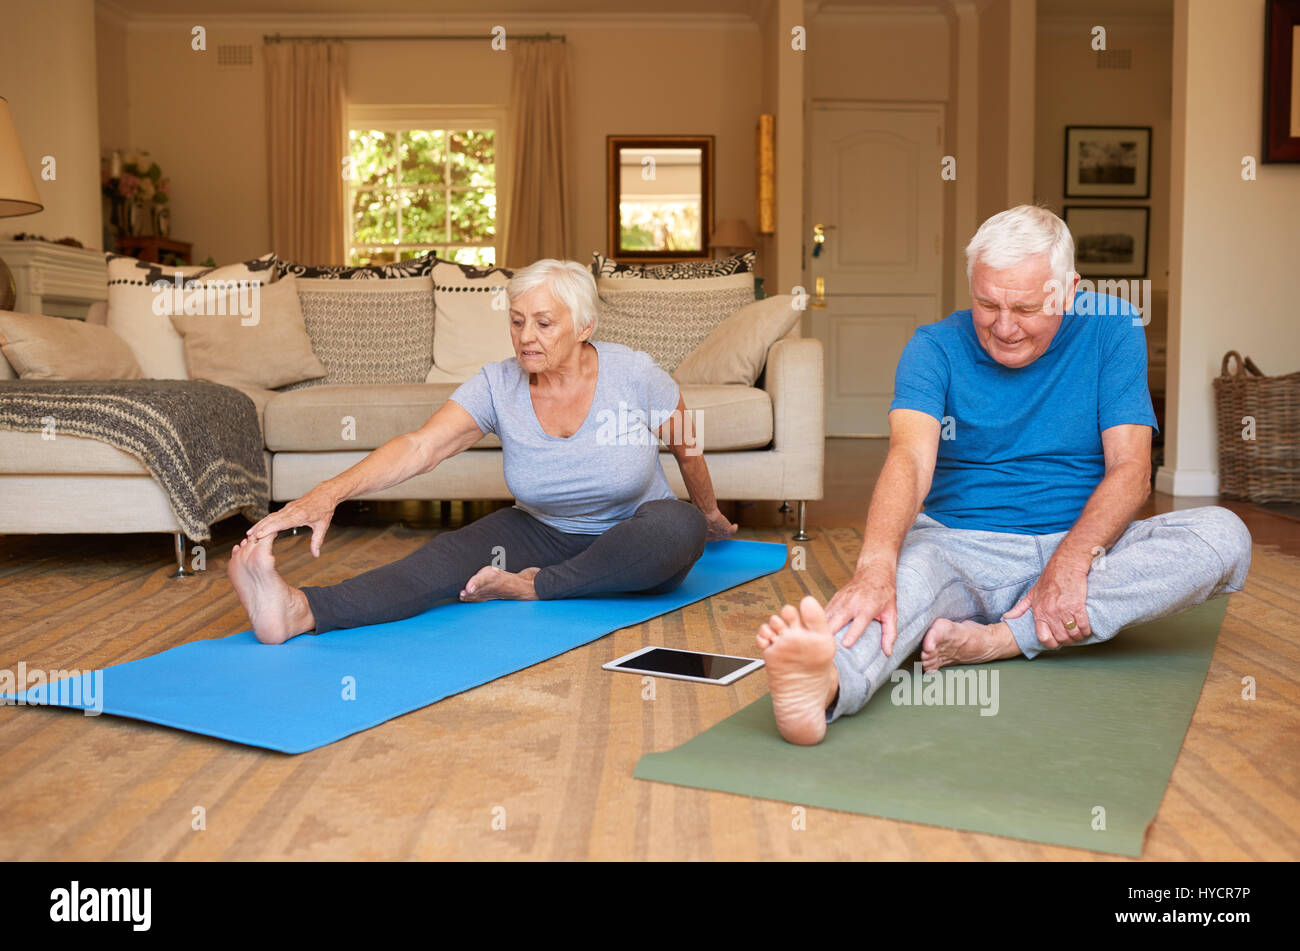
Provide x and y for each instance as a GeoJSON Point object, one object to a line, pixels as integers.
{"type": "Point", "coordinates": [199, 440]}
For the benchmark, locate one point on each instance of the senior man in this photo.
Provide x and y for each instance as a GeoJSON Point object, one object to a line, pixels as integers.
{"type": "Point", "coordinates": [1024, 427]}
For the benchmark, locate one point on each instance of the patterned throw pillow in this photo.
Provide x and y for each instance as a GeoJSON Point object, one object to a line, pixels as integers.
{"type": "Point", "coordinates": [133, 305]}
{"type": "Point", "coordinates": [679, 271]}
{"type": "Point", "coordinates": [369, 332]}
{"type": "Point", "coordinates": [668, 319]}
{"type": "Point", "coordinates": [414, 267]}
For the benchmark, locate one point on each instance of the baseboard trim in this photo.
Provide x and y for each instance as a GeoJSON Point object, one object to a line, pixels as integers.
{"type": "Point", "coordinates": [1187, 482]}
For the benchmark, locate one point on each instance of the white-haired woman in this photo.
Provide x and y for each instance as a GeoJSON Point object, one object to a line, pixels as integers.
{"type": "Point", "coordinates": [580, 424]}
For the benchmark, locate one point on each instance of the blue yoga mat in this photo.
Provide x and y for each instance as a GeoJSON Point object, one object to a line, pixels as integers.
{"type": "Point", "coordinates": [290, 697]}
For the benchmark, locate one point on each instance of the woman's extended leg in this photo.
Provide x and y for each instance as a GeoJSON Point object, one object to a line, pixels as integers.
{"type": "Point", "coordinates": [414, 584]}
{"type": "Point", "coordinates": [437, 571]}
{"type": "Point", "coordinates": [650, 552]}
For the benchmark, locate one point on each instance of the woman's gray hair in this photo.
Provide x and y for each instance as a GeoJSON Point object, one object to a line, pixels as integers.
{"type": "Point", "coordinates": [1011, 236]}
{"type": "Point", "coordinates": [568, 282]}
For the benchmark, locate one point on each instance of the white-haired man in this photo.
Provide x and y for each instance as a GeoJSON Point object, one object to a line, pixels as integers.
{"type": "Point", "coordinates": [580, 426]}
{"type": "Point", "coordinates": [1023, 426]}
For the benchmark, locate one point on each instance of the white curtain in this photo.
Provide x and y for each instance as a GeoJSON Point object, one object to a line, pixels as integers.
{"type": "Point", "coordinates": [539, 216]}
{"type": "Point", "coordinates": [306, 129]}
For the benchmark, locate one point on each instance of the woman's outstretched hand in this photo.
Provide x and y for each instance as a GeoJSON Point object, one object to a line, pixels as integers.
{"type": "Point", "coordinates": [719, 528]}
{"type": "Point", "coordinates": [315, 510]}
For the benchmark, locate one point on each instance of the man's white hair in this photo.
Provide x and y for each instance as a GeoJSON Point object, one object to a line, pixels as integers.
{"type": "Point", "coordinates": [568, 282]}
{"type": "Point", "coordinates": [1011, 236]}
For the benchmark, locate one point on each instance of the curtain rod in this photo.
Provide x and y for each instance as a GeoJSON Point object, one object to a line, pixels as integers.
{"type": "Point", "coordinates": [278, 38]}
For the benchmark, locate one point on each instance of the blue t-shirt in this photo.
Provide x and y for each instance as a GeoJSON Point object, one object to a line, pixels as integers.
{"type": "Point", "coordinates": [1020, 449]}
{"type": "Point", "coordinates": [588, 483]}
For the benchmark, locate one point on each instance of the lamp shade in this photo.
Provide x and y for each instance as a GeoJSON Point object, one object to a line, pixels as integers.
{"type": "Point", "coordinates": [18, 194]}
{"type": "Point", "coordinates": [732, 233]}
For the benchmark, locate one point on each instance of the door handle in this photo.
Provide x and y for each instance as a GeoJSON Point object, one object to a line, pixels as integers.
{"type": "Point", "coordinates": [819, 238]}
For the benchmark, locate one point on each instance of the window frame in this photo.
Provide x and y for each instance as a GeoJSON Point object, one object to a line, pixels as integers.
{"type": "Point", "coordinates": [403, 118]}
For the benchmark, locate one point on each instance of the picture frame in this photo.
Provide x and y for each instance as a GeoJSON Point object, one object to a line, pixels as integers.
{"type": "Point", "coordinates": [1281, 124]}
{"type": "Point", "coordinates": [1108, 161]}
{"type": "Point", "coordinates": [644, 225]}
{"type": "Point", "coordinates": [1110, 241]}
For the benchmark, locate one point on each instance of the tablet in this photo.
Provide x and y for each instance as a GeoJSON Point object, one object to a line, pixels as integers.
{"type": "Point", "coordinates": [685, 665]}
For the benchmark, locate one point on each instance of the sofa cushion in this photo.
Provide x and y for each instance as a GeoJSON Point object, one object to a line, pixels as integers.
{"type": "Point", "coordinates": [471, 320]}
{"type": "Point", "coordinates": [668, 318]}
{"type": "Point", "coordinates": [369, 331]}
{"type": "Point", "coordinates": [59, 348]}
{"type": "Point", "coordinates": [320, 418]}
{"type": "Point", "coordinates": [730, 417]}
{"type": "Point", "coordinates": [136, 310]}
{"type": "Point", "coordinates": [736, 349]}
{"type": "Point", "coordinates": [267, 350]}
{"type": "Point", "coordinates": [333, 418]}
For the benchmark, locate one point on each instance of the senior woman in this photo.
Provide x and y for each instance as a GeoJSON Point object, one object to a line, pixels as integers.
{"type": "Point", "coordinates": [580, 426]}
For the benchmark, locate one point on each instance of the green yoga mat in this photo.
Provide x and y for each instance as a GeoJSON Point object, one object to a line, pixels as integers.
{"type": "Point", "coordinates": [1075, 730]}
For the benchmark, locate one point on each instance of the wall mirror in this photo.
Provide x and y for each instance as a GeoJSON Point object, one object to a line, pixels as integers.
{"type": "Point", "coordinates": [660, 197]}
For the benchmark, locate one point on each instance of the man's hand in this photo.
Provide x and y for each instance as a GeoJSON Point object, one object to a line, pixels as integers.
{"type": "Point", "coordinates": [315, 510]}
{"type": "Point", "coordinates": [869, 596]}
{"type": "Point", "coordinates": [1058, 597]}
{"type": "Point", "coordinates": [719, 528]}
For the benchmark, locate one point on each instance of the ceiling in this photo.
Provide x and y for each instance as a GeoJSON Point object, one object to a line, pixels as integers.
{"type": "Point", "coordinates": [429, 7]}
{"type": "Point", "coordinates": [543, 8]}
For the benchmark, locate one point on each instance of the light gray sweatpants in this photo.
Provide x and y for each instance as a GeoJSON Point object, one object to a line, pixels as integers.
{"type": "Point", "coordinates": [1159, 566]}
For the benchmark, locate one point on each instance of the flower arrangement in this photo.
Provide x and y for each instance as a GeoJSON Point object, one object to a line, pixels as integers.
{"type": "Point", "coordinates": [134, 181]}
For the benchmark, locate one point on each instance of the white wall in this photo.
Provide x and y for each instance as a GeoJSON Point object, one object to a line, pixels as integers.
{"type": "Point", "coordinates": [47, 72]}
{"type": "Point", "coordinates": [1232, 242]}
{"type": "Point", "coordinates": [1073, 91]}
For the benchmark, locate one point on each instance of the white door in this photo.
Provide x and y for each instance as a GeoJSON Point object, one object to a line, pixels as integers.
{"type": "Point", "coordinates": [876, 192]}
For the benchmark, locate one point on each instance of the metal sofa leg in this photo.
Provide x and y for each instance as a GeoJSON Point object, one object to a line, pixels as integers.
{"type": "Point", "coordinates": [785, 507]}
{"type": "Point", "coordinates": [181, 571]}
{"type": "Point", "coordinates": [801, 535]}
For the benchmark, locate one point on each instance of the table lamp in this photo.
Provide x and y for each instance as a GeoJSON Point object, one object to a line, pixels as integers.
{"type": "Point", "coordinates": [18, 194]}
{"type": "Point", "coordinates": [732, 234]}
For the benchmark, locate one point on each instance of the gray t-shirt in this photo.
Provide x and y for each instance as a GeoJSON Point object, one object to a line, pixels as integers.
{"type": "Point", "coordinates": [588, 483]}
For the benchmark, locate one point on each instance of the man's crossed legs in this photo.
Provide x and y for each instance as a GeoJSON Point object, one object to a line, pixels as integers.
{"type": "Point", "coordinates": [954, 585]}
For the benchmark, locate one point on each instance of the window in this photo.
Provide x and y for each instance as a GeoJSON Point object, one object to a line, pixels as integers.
{"type": "Point", "coordinates": [418, 186]}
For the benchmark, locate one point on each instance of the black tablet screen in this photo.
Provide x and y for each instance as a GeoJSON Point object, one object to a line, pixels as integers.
{"type": "Point", "coordinates": [663, 660]}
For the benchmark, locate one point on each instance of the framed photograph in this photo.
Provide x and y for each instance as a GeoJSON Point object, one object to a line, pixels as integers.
{"type": "Point", "coordinates": [1282, 82]}
{"type": "Point", "coordinates": [1109, 240]}
{"type": "Point", "coordinates": [1108, 161]}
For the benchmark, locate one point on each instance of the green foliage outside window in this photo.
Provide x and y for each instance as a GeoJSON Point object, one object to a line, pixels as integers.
{"type": "Point", "coordinates": [419, 190]}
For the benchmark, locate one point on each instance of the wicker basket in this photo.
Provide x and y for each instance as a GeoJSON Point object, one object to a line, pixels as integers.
{"type": "Point", "coordinates": [1266, 468]}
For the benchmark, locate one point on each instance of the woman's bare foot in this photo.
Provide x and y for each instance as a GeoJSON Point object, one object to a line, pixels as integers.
{"type": "Point", "coordinates": [493, 584]}
{"type": "Point", "coordinates": [277, 610]}
{"type": "Point", "coordinates": [966, 642]}
{"type": "Point", "coordinates": [798, 651]}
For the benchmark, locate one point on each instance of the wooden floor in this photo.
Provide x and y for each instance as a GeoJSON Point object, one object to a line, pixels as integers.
{"type": "Point", "coordinates": [554, 745]}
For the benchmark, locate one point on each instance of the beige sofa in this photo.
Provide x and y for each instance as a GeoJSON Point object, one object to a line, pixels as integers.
{"type": "Point", "coordinates": [762, 442]}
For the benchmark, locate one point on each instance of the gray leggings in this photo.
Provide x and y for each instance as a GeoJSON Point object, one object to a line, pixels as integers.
{"type": "Point", "coordinates": [649, 553]}
{"type": "Point", "coordinates": [1159, 566]}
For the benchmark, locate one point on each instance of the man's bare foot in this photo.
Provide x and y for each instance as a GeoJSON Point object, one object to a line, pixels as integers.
{"type": "Point", "coordinates": [798, 651]}
{"type": "Point", "coordinates": [966, 642]}
{"type": "Point", "coordinates": [277, 610]}
{"type": "Point", "coordinates": [493, 584]}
